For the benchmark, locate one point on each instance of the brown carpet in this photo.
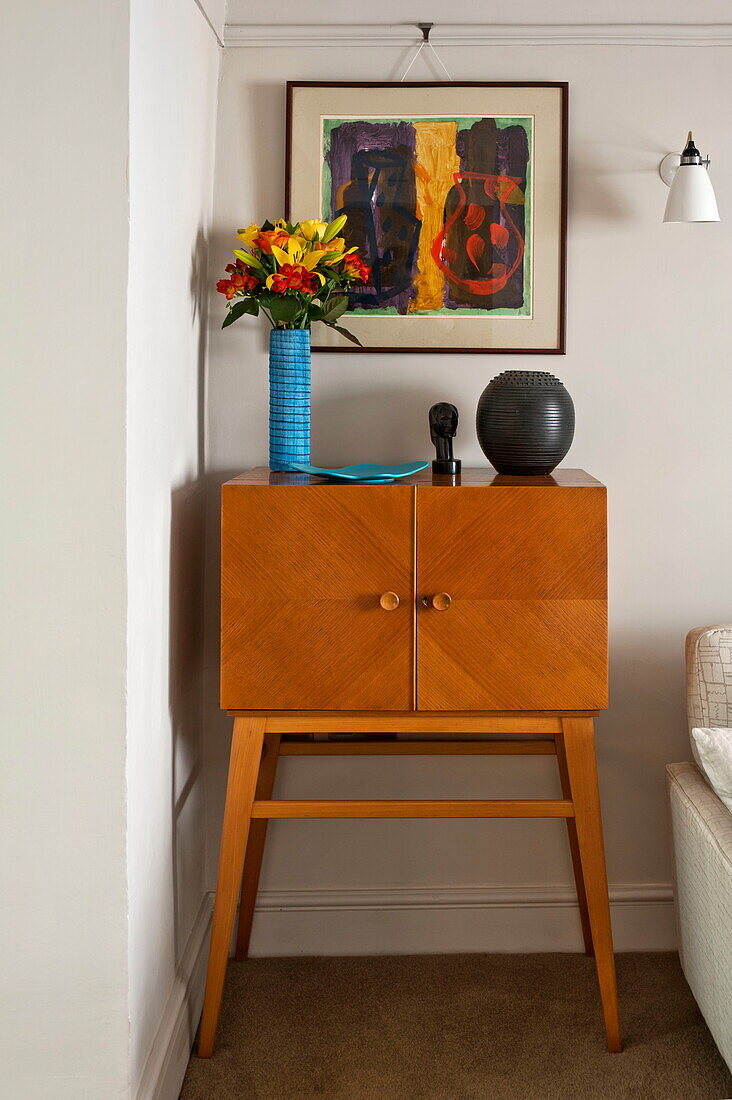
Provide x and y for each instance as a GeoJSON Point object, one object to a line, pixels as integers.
{"type": "Point", "coordinates": [455, 1027]}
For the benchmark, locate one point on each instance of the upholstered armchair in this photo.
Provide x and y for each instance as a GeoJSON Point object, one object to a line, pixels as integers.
{"type": "Point", "coordinates": [702, 840]}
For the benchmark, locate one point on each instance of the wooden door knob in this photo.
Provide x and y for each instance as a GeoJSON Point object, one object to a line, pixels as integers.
{"type": "Point", "coordinates": [441, 601]}
{"type": "Point", "coordinates": [389, 601]}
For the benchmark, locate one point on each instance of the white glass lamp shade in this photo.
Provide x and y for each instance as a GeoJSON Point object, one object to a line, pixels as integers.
{"type": "Point", "coordinates": [691, 197]}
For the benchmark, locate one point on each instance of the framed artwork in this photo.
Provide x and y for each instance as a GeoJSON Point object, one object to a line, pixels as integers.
{"type": "Point", "coordinates": [456, 195]}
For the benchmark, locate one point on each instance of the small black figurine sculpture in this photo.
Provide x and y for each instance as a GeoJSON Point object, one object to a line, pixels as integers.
{"type": "Point", "coordinates": [443, 428]}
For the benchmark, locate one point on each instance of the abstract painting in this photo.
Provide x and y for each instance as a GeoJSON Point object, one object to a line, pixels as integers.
{"type": "Point", "coordinates": [460, 214]}
{"type": "Point", "coordinates": [439, 209]}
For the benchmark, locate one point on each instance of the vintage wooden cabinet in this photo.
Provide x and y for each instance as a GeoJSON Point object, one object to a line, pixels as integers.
{"type": "Point", "coordinates": [458, 606]}
{"type": "Point", "coordinates": [307, 569]}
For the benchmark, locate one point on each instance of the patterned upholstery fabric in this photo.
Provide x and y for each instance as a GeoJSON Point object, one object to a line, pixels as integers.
{"type": "Point", "coordinates": [709, 678]}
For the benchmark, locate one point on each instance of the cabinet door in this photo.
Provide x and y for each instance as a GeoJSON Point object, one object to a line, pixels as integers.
{"type": "Point", "coordinates": [525, 569]}
{"type": "Point", "coordinates": [303, 570]}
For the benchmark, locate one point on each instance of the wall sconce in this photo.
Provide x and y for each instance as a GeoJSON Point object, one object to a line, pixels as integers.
{"type": "Point", "coordinates": [691, 198]}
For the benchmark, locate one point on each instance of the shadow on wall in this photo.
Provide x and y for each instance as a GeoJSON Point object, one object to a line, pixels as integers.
{"type": "Point", "coordinates": [598, 194]}
{"type": "Point", "coordinates": [185, 648]}
{"type": "Point", "coordinates": [184, 698]}
{"type": "Point", "coordinates": [645, 720]}
{"type": "Point", "coordinates": [363, 424]}
{"type": "Point", "coordinates": [200, 291]}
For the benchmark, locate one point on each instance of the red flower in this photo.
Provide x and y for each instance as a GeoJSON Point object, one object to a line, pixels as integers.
{"type": "Point", "coordinates": [242, 276]}
{"type": "Point", "coordinates": [356, 269]}
{"type": "Point", "coordinates": [242, 281]}
{"type": "Point", "coordinates": [224, 286]}
{"type": "Point", "coordinates": [294, 277]}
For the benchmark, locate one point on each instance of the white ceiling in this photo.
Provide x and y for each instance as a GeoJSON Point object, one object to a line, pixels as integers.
{"type": "Point", "coordinates": [285, 12]}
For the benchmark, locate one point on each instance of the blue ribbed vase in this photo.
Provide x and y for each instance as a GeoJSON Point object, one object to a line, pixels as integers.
{"type": "Point", "coordinates": [289, 397]}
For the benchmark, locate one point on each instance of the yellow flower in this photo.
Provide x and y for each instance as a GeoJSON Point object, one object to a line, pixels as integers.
{"type": "Point", "coordinates": [249, 234]}
{"type": "Point", "coordinates": [296, 255]}
{"type": "Point", "coordinates": [293, 255]}
{"type": "Point", "coordinates": [336, 250]}
{"type": "Point", "coordinates": [311, 228]}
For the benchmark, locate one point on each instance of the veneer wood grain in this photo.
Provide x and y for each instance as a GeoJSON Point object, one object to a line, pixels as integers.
{"type": "Point", "coordinates": [301, 579]}
{"type": "Point", "coordinates": [433, 608]}
{"type": "Point", "coordinates": [526, 572]}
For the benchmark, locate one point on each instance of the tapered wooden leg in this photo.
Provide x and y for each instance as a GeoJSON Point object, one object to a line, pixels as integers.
{"type": "Point", "coordinates": [579, 753]}
{"type": "Point", "coordinates": [246, 753]}
{"type": "Point", "coordinates": [574, 851]}
{"type": "Point", "coordinates": [255, 846]}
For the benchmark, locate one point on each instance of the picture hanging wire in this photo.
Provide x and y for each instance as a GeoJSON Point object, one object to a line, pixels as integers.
{"type": "Point", "coordinates": [425, 29]}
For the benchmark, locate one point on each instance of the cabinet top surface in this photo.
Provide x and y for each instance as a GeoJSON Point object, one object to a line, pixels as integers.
{"type": "Point", "coordinates": [475, 476]}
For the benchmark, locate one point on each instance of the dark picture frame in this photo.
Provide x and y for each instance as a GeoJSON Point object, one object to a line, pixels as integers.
{"type": "Point", "coordinates": [305, 158]}
{"type": "Point", "coordinates": [542, 108]}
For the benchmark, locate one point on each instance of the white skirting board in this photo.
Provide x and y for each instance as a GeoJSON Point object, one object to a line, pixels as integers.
{"type": "Point", "coordinates": [168, 1058]}
{"type": "Point", "coordinates": [400, 921]}
{"type": "Point", "coordinates": [429, 920]}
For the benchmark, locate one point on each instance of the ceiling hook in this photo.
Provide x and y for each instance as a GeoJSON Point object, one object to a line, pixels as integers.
{"type": "Point", "coordinates": [425, 28]}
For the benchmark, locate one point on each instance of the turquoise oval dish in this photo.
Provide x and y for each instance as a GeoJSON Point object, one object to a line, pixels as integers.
{"type": "Point", "coordinates": [369, 472]}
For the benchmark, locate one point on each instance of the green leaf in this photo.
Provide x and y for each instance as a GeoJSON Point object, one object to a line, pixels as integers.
{"type": "Point", "coordinates": [266, 226]}
{"type": "Point", "coordinates": [284, 309]}
{"type": "Point", "coordinates": [335, 308]}
{"type": "Point", "coordinates": [246, 305]}
{"type": "Point", "coordinates": [344, 332]}
{"type": "Point", "coordinates": [267, 297]}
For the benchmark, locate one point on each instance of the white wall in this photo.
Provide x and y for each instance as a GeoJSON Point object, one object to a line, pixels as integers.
{"type": "Point", "coordinates": [648, 345]}
{"type": "Point", "coordinates": [64, 119]}
{"type": "Point", "coordinates": [102, 432]}
{"type": "Point", "coordinates": [174, 61]}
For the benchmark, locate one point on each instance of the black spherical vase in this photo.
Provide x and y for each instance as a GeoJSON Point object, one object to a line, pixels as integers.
{"type": "Point", "coordinates": [525, 422]}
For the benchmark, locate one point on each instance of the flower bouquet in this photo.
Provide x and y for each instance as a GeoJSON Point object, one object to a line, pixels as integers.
{"type": "Point", "coordinates": [295, 274]}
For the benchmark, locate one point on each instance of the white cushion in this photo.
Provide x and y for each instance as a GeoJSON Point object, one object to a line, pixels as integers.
{"type": "Point", "coordinates": [714, 748]}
